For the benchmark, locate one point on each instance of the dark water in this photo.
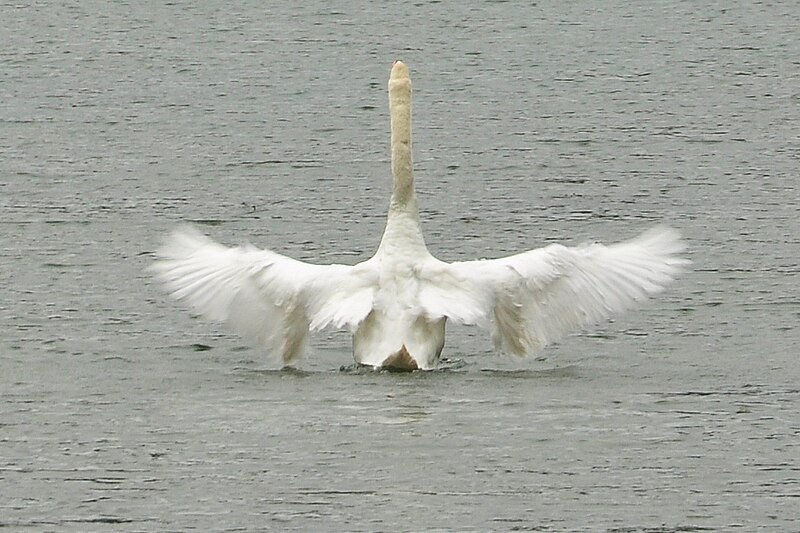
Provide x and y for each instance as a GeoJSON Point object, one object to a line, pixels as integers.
{"type": "Point", "coordinates": [267, 123]}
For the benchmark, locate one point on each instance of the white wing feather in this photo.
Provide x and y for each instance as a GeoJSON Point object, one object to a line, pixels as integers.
{"type": "Point", "coordinates": [264, 296]}
{"type": "Point", "coordinates": [534, 298]}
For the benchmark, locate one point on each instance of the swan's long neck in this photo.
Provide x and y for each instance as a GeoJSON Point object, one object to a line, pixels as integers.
{"type": "Point", "coordinates": [402, 225]}
{"type": "Point", "coordinates": [400, 110]}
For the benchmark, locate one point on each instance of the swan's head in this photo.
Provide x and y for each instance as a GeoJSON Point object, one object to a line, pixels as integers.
{"type": "Point", "coordinates": [399, 78]}
{"type": "Point", "coordinates": [399, 70]}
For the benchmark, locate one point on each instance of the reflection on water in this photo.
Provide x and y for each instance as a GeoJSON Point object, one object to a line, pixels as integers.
{"type": "Point", "coordinates": [564, 372]}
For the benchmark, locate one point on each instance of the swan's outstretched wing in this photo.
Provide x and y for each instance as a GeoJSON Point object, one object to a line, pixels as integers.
{"type": "Point", "coordinates": [534, 298]}
{"type": "Point", "coordinates": [265, 296]}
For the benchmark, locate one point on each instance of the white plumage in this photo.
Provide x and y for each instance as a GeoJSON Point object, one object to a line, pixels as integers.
{"type": "Point", "coordinates": [397, 303]}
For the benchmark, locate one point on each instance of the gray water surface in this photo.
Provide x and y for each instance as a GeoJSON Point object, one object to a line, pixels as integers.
{"type": "Point", "coordinates": [121, 411]}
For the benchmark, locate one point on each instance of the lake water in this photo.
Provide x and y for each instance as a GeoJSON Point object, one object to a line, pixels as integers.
{"type": "Point", "coordinates": [266, 123]}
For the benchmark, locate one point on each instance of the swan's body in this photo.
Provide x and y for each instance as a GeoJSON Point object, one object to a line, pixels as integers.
{"type": "Point", "coordinates": [398, 302]}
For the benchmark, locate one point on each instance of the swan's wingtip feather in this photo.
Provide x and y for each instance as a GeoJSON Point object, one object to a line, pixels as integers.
{"type": "Point", "coordinates": [663, 238]}
{"type": "Point", "coordinates": [664, 242]}
{"type": "Point", "coordinates": [182, 242]}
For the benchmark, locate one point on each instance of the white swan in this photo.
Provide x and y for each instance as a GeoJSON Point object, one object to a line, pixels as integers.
{"type": "Point", "coordinates": [397, 303]}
